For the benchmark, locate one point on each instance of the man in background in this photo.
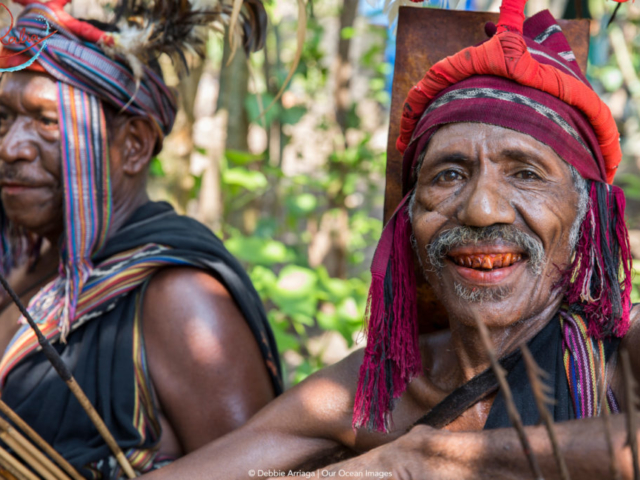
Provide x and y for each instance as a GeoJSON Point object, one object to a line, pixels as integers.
{"type": "Point", "coordinates": [158, 323]}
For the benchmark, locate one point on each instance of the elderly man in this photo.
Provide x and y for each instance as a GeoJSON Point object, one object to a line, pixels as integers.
{"type": "Point", "coordinates": [508, 160]}
{"type": "Point", "coordinates": [146, 307]}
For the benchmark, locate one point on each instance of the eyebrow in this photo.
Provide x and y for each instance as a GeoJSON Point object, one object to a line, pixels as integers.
{"type": "Point", "coordinates": [449, 157]}
{"type": "Point", "coordinates": [522, 156]}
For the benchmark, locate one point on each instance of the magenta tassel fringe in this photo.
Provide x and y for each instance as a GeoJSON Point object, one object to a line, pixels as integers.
{"type": "Point", "coordinates": [392, 356]}
{"type": "Point", "coordinates": [599, 278]}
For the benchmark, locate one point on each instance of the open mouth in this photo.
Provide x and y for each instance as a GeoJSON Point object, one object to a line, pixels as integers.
{"type": "Point", "coordinates": [486, 261]}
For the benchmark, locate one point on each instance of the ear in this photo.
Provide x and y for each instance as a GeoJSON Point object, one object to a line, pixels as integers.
{"type": "Point", "coordinates": [133, 144]}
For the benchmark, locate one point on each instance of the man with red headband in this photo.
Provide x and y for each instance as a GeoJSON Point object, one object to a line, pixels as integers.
{"type": "Point", "coordinates": [509, 209]}
{"type": "Point", "coordinates": [146, 307]}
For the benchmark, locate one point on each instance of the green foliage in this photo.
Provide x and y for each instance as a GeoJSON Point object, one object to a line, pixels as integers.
{"type": "Point", "coordinates": [635, 279]}
{"type": "Point", "coordinates": [272, 218]}
{"type": "Point", "coordinates": [155, 168]}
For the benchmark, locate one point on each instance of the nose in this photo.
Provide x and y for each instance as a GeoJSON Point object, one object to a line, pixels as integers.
{"type": "Point", "coordinates": [15, 145]}
{"type": "Point", "coordinates": [487, 204]}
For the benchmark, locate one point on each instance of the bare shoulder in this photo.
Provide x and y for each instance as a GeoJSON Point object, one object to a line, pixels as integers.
{"type": "Point", "coordinates": [205, 364]}
{"type": "Point", "coordinates": [183, 288]}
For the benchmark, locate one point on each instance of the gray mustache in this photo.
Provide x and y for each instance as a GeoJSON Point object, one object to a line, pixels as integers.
{"type": "Point", "coordinates": [462, 236]}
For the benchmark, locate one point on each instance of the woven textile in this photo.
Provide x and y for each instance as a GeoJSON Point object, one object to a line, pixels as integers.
{"type": "Point", "coordinates": [87, 77]}
{"type": "Point", "coordinates": [585, 366]}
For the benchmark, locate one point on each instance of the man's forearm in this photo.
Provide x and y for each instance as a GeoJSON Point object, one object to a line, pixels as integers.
{"type": "Point", "coordinates": [426, 453]}
{"type": "Point", "coordinates": [498, 453]}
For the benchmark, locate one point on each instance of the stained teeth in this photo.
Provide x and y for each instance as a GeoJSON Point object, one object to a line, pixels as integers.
{"type": "Point", "coordinates": [488, 261]}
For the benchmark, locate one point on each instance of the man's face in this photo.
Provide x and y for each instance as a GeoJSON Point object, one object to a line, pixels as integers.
{"type": "Point", "coordinates": [492, 219]}
{"type": "Point", "coordinates": [30, 182]}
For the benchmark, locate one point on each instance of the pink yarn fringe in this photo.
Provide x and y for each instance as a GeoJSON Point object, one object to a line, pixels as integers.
{"type": "Point", "coordinates": [392, 356]}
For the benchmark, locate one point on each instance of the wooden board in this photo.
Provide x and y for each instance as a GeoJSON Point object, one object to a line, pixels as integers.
{"type": "Point", "coordinates": [426, 36]}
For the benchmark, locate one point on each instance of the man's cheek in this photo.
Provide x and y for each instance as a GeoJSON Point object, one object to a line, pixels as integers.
{"type": "Point", "coordinates": [426, 225]}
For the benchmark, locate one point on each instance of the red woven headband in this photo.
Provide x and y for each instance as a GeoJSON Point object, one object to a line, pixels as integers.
{"type": "Point", "coordinates": [506, 55]}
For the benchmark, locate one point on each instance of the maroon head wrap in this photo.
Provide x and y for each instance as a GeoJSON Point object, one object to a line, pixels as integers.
{"type": "Point", "coordinates": [592, 282]}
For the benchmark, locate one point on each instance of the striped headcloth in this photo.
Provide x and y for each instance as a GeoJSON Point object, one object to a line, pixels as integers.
{"type": "Point", "coordinates": [87, 79]}
{"type": "Point", "coordinates": [525, 78]}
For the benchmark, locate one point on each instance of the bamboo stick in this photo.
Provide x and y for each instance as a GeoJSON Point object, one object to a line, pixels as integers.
{"type": "Point", "coordinates": [39, 441]}
{"type": "Point", "coordinates": [63, 371]}
{"type": "Point", "coordinates": [26, 456]}
{"type": "Point", "coordinates": [512, 410]}
{"type": "Point", "coordinates": [6, 475]}
{"type": "Point", "coordinates": [613, 465]}
{"type": "Point", "coordinates": [540, 393]}
{"type": "Point", "coordinates": [29, 453]}
{"type": "Point", "coordinates": [15, 467]}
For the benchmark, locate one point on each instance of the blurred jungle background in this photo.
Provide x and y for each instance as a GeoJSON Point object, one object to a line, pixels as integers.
{"type": "Point", "coordinates": [297, 194]}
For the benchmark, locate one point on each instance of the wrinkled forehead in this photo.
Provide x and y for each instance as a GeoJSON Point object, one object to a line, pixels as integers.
{"type": "Point", "coordinates": [466, 142]}
{"type": "Point", "coordinates": [501, 102]}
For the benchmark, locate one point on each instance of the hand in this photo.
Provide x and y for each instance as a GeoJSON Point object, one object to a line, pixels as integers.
{"type": "Point", "coordinates": [402, 459]}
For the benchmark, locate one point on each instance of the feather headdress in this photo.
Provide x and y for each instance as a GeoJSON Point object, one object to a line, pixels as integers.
{"type": "Point", "coordinates": [142, 30]}
{"type": "Point", "coordinates": [149, 28]}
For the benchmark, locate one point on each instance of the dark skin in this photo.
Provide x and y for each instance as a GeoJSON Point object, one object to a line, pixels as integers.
{"type": "Point", "coordinates": [192, 328]}
{"type": "Point", "coordinates": [474, 175]}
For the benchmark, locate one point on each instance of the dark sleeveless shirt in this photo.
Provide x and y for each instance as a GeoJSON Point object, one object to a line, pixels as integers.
{"type": "Point", "coordinates": [106, 353]}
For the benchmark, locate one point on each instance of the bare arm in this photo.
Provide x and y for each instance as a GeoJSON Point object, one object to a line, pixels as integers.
{"type": "Point", "coordinates": [425, 453]}
{"type": "Point", "coordinates": [496, 454]}
{"type": "Point", "coordinates": [308, 423]}
{"type": "Point", "coordinates": [205, 364]}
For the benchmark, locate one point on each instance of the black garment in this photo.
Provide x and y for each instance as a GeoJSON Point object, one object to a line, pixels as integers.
{"type": "Point", "coordinates": [546, 348]}
{"type": "Point", "coordinates": [99, 350]}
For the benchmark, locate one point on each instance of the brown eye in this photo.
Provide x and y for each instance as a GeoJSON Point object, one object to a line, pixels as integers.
{"type": "Point", "coordinates": [448, 176]}
{"type": "Point", "coordinates": [527, 175]}
{"type": "Point", "coordinates": [5, 122]}
{"type": "Point", "coordinates": [48, 123]}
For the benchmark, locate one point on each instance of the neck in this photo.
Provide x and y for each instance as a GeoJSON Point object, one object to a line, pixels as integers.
{"type": "Point", "coordinates": [471, 352]}
{"type": "Point", "coordinates": [123, 208]}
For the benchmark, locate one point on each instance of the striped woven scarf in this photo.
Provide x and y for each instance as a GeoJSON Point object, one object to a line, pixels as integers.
{"type": "Point", "coordinates": [107, 282]}
{"type": "Point", "coordinates": [87, 204]}
{"type": "Point", "coordinates": [585, 365]}
{"type": "Point", "coordinates": [86, 78]}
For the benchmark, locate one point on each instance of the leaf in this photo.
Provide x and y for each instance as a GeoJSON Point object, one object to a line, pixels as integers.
{"type": "Point", "coordinates": [248, 179]}
{"type": "Point", "coordinates": [291, 116]}
{"type": "Point", "coordinates": [611, 78]}
{"type": "Point", "coordinates": [337, 289]}
{"type": "Point", "coordinates": [347, 33]}
{"type": "Point", "coordinates": [155, 168]}
{"type": "Point", "coordinates": [263, 280]}
{"type": "Point", "coordinates": [301, 205]}
{"type": "Point", "coordinates": [252, 105]}
{"type": "Point", "coordinates": [348, 311]}
{"type": "Point", "coordinates": [258, 251]}
{"type": "Point", "coordinates": [295, 291]}
{"type": "Point", "coordinates": [303, 371]}
{"type": "Point", "coordinates": [284, 340]}
{"type": "Point", "coordinates": [241, 158]}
